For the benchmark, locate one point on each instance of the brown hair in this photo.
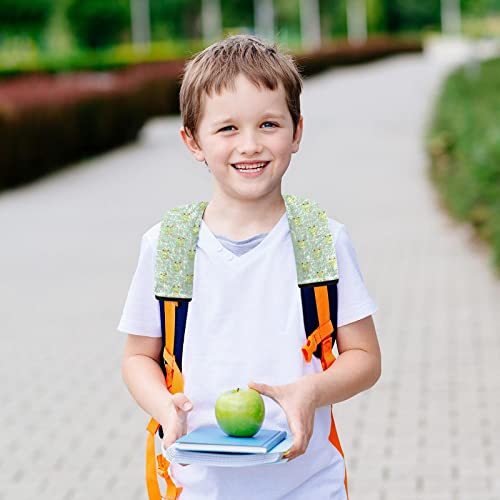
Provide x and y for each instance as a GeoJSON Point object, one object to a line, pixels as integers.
{"type": "Point", "coordinates": [217, 67]}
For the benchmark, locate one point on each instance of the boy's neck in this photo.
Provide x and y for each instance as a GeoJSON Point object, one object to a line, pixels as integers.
{"type": "Point", "coordinates": [239, 220]}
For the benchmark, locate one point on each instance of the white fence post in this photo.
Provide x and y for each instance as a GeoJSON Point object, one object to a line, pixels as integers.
{"type": "Point", "coordinates": [141, 23]}
{"type": "Point", "coordinates": [310, 24]}
{"type": "Point", "coordinates": [451, 18]}
{"type": "Point", "coordinates": [211, 20]}
{"type": "Point", "coordinates": [264, 19]}
{"type": "Point", "coordinates": [357, 30]}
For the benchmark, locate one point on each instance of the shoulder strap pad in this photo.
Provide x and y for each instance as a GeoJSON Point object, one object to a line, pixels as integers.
{"type": "Point", "coordinates": [312, 239]}
{"type": "Point", "coordinates": [174, 269]}
{"type": "Point", "coordinates": [315, 258]}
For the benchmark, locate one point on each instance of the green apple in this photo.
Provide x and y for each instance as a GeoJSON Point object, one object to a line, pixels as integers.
{"type": "Point", "coordinates": [240, 412]}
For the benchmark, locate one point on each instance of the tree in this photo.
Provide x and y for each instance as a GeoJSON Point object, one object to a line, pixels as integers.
{"type": "Point", "coordinates": [98, 23]}
{"type": "Point", "coordinates": [24, 16]}
{"type": "Point", "coordinates": [412, 15]}
{"type": "Point", "coordinates": [175, 19]}
{"type": "Point", "coordinates": [237, 13]}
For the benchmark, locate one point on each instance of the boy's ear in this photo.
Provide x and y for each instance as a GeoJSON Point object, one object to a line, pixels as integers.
{"type": "Point", "coordinates": [298, 135]}
{"type": "Point", "coordinates": [191, 144]}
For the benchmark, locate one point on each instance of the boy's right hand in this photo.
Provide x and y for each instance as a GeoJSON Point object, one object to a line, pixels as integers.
{"type": "Point", "coordinates": [174, 423]}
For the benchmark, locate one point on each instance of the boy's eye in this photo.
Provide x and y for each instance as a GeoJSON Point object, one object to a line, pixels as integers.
{"type": "Point", "coordinates": [269, 125]}
{"type": "Point", "coordinates": [227, 128]}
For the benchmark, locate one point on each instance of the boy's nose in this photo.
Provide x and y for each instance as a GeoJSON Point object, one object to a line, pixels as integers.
{"type": "Point", "coordinates": [249, 144]}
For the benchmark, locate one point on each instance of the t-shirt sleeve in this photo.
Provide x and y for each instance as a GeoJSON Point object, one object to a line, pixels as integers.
{"type": "Point", "coordinates": [140, 314]}
{"type": "Point", "coordinates": [354, 301]}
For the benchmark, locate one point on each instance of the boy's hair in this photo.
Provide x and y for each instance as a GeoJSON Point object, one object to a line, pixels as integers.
{"type": "Point", "coordinates": [216, 69]}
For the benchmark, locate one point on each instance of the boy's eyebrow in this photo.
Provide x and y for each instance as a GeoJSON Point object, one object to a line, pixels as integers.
{"type": "Point", "coordinates": [276, 116]}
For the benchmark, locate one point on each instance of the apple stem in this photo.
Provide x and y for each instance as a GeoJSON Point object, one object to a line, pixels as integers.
{"type": "Point", "coordinates": [237, 390]}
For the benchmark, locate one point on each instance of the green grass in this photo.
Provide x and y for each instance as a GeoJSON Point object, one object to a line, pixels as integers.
{"type": "Point", "coordinates": [464, 146]}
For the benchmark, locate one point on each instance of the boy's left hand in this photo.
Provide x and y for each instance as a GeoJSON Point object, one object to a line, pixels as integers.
{"type": "Point", "coordinates": [297, 402]}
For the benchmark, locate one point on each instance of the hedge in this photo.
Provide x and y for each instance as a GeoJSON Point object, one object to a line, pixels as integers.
{"type": "Point", "coordinates": [48, 121]}
{"type": "Point", "coordinates": [464, 148]}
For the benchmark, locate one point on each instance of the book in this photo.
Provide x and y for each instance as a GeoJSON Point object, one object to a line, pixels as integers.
{"type": "Point", "coordinates": [210, 438]}
{"type": "Point", "coordinates": [210, 459]}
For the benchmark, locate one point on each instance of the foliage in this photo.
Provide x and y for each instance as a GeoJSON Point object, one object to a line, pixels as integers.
{"type": "Point", "coordinates": [409, 15]}
{"type": "Point", "coordinates": [116, 57]}
{"type": "Point", "coordinates": [237, 13]}
{"type": "Point", "coordinates": [24, 16]}
{"type": "Point", "coordinates": [175, 19]}
{"type": "Point", "coordinates": [98, 23]}
{"type": "Point", "coordinates": [464, 144]}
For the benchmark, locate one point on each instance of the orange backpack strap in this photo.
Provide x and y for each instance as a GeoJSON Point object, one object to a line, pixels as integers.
{"type": "Point", "coordinates": [157, 465]}
{"type": "Point", "coordinates": [323, 337]}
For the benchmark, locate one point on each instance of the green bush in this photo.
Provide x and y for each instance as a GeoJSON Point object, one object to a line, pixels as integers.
{"type": "Point", "coordinates": [117, 57]}
{"type": "Point", "coordinates": [24, 16]}
{"type": "Point", "coordinates": [464, 144]}
{"type": "Point", "coordinates": [99, 23]}
{"type": "Point", "coordinates": [406, 15]}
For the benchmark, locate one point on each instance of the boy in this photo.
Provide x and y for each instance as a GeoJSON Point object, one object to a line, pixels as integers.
{"type": "Point", "coordinates": [240, 104]}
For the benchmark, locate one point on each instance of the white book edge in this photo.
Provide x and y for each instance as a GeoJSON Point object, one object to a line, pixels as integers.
{"type": "Point", "coordinates": [275, 455]}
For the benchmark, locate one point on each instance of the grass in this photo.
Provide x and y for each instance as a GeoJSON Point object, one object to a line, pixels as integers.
{"type": "Point", "coordinates": [464, 146]}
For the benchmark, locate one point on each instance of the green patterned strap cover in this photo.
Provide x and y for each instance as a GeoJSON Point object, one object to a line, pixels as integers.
{"type": "Point", "coordinates": [174, 270]}
{"type": "Point", "coordinates": [311, 236]}
{"type": "Point", "coordinates": [312, 242]}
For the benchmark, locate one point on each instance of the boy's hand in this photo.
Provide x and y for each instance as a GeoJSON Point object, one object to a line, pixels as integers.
{"type": "Point", "coordinates": [297, 402]}
{"type": "Point", "coordinates": [174, 423]}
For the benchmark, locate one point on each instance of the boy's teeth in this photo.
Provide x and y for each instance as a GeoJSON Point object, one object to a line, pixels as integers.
{"type": "Point", "coordinates": [251, 167]}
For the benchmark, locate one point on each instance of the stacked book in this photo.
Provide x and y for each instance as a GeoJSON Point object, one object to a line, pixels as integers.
{"type": "Point", "coordinates": [209, 445]}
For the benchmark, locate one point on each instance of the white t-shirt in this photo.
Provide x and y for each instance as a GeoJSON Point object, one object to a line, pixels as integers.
{"type": "Point", "coordinates": [245, 324]}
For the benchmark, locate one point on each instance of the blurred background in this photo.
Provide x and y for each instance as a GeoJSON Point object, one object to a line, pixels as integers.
{"type": "Point", "coordinates": [106, 67]}
{"type": "Point", "coordinates": [402, 143]}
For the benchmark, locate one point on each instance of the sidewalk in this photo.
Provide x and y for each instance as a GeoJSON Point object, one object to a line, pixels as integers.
{"type": "Point", "coordinates": [428, 430]}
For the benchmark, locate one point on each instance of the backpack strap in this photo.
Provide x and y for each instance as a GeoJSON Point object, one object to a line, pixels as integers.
{"type": "Point", "coordinates": [317, 276]}
{"type": "Point", "coordinates": [176, 250]}
{"type": "Point", "coordinates": [174, 273]}
{"type": "Point", "coordinates": [317, 273]}
{"type": "Point", "coordinates": [174, 383]}
{"type": "Point", "coordinates": [315, 258]}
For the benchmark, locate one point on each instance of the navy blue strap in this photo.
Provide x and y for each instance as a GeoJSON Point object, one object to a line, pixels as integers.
{"type": "Point", "coordinates": [310, 312]}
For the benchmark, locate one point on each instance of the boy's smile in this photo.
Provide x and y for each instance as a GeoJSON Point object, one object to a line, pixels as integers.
{"type": "Point", "coordinates": [245, 135]}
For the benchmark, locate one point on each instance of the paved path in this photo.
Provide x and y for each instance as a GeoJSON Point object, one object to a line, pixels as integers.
{"type": "Point", "coordinates": [429, 430]}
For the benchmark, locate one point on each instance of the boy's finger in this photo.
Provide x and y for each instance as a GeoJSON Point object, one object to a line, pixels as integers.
{"type": "Point", "coordinates": [266, 390]}
{"type": "Point", "coordinates": [182, 402]}
{"type": "Point", "coordinates": [299, 446]}
{"type": "Point", "coordinates": [291, 453]}
{"type": "Point", "coordinates": [169, 438]}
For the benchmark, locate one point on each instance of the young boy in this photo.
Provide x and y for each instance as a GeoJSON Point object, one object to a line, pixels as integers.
{"type": "Point", "coordinates": [240, 104]}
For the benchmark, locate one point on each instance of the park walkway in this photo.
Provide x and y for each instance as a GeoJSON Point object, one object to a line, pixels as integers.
{"type": "Point", "coordinates": [428, 430]}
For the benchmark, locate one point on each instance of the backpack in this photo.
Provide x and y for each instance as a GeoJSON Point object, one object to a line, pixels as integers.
{"type": "Point", "coordinates": [317, 279]}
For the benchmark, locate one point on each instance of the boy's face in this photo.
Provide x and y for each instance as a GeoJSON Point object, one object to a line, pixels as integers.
{"type": "Point", "coordinates": [246, 127]}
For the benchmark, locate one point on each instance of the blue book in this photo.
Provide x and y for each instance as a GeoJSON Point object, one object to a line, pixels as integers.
{"type": "Point", "coordinates": [210, 438]}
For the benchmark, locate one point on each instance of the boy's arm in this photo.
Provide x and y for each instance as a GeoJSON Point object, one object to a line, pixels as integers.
{"type": "Point", "coordinates": [356, 369]}
{"type": "Point", "coordinates": [143, 376]}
